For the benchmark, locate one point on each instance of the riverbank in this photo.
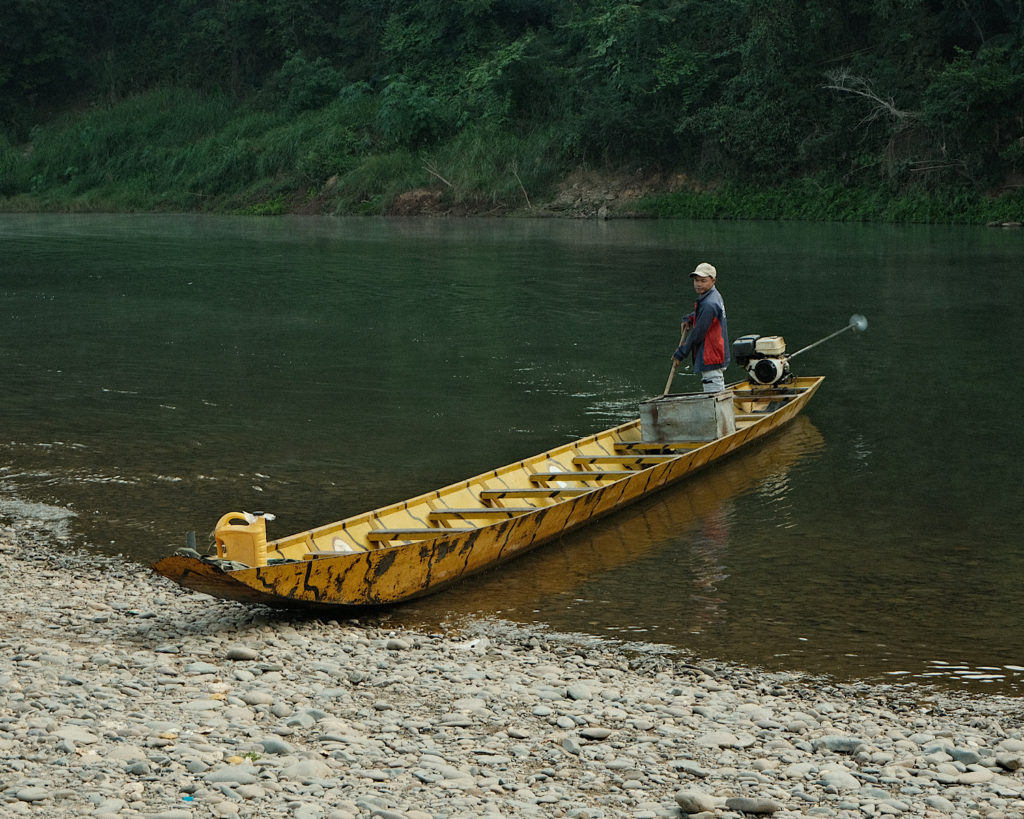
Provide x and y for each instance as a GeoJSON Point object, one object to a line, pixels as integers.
{"type": "Point", "coordinates": [580, 194]}
{"type": "Point", "coordinates": [124, 695]}
{"type": "Point", "coordinates": [183, 151]}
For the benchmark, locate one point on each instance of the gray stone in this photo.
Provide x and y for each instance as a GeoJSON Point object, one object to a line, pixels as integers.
{"type": "Point", "coordinates": [77, 735]}
{"type": "Point", "coordinates": [837, 744]}
{"type": "Point", "coordinates": [203, 705]}
{"type": "Point", "coordinates": [198, 668]}
{"type": "Point", "coordinates": [303, 720]}
{"type": "Point", "coordinates": [744, 804]}
{"type": "Point", "coordinates": [257, 698]}
{"type": "Point", "coordinates": [690, 767]}
{"type": "Point", "coordinates": [695, 802]}
{"type": "Point", "coordinates": [275, 745]}
{"type": "Point", "coordinates": [940, 803]}
{"type": "Point", "coordinates": [976, 777]}
{"type": "Point", "coordinates": [839, 781]}
{"type": "Point", "coordinates": [306, 769]}
{"type": "Point", "coordinates": [578, 692]}
{"type": "Point", "coordinates": [718, 739]}
{"type": "Point", "coordinates": [964, 755]}
{"type": "Point", "coordinates": [32, 794]}
{"type": "Point", "coordinates": [240, 774]}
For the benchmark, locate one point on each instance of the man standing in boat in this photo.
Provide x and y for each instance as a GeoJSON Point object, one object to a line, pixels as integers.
{"type": "Point", "coordinates": [705, 335]}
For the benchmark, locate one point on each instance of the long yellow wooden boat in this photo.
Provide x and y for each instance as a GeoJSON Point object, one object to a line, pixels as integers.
{"type": "Point", "coordinates": [413, 548]}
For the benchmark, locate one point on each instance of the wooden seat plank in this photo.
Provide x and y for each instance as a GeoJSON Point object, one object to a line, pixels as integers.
{"type": "Point", "coordinates": [596, 475]}
{"type": "Point", "coordinates": [656, 448]}
{"type": "Point", "coordinates": [746, 396]}
{"type": "Point", "coordinates": [378, 535]}
{"type": "Point", "coordinates": [532, 492]}
{"type": "Point", "coordinates": [623, 460]}
{"type": "Point", "coordinates": [482, 512]}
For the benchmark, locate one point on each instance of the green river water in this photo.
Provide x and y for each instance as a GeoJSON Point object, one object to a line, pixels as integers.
{"type": "Point", "coordinates": [159, 371]}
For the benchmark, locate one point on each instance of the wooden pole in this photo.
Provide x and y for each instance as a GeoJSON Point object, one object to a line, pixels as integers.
{"type": "Point", "coordinates": [675, 363]}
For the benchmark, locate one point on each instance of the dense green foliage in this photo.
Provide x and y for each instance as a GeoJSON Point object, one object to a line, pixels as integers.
{"type": "Point", "coordinates": [828, 110]}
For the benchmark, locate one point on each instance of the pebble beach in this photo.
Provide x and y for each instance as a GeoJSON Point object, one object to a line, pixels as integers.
{"type": "Point", "coordinates": [122, 695]}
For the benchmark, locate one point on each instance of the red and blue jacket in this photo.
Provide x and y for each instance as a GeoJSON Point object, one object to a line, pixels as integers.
{"type": "Point", "coordinates": [708, 340]}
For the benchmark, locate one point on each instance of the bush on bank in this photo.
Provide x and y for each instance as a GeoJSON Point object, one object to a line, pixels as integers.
{"type": "Point", "coordinates": [175, 149]}
{"type": "Point", "coordinates": [812, 200]}
{"type": "Point", "coordinates": [180, 149]}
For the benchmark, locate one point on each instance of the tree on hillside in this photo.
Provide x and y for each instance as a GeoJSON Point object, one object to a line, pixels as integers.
{"type": "Point", "coordinates": [41, 63]}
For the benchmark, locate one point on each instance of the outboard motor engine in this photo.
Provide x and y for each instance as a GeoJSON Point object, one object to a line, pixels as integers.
{"type": "Point", "coordinates": [763, 357]}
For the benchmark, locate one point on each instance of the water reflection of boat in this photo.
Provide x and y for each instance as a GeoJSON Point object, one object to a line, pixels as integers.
{"type": "Point", "coordinates": [695, 512]}
{"type": "Point", "coordinates": [413, 548]}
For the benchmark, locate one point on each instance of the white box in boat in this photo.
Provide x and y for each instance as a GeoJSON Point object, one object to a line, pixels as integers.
{"type": "Point", "coordinates": [770, 345]}
{"type": "Point", "coordinates": [700, 416]}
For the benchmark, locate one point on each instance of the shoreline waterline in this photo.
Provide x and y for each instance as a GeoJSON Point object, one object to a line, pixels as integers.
{"type": "Point", "coordinates": [124, 695]}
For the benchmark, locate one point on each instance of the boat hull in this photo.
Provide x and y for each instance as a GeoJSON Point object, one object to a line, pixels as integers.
{"type": "Point", "coordinates": [406, 570]}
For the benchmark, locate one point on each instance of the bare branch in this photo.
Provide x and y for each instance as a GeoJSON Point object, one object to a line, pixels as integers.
{"type": "Point", "coordinates": [431, 168]}
{"type": "Point", "coordinates": [522, 187]}
{"type": "Point", "coordinates": [841, 80]}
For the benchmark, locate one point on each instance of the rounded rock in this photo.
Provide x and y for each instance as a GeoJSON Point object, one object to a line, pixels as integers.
{"type": "Point", "coordinates": [695, 802]}
{"type": "Point", "coordinates": [578, 692]}
{"type": "Point", "coordinates": [756, 806]}
{"type": "Point", "coordinates": [837, 744]}
{"type": "Point", "coordinates": [976, 777]}
{"type": "Point", "coordinates": [307, 769]}
{"type": "Point", "coordinates": [840, 780]}
{"type": "Point", "coordinates": [239, 774]}
{"type": "Point", "coordinates": [32, 794]}
{"type": "Point", "coordinates": [276, 745]}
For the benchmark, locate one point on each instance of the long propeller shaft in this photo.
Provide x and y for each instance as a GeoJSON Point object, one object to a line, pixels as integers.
{"type": "Point", "coordinates": [857, 323]}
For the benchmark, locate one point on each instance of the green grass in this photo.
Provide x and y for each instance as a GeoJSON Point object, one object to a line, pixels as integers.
{"type": "Point", "coordinates": [371, 184]}
{"type": "Point", "coordinates": [497, 167]}
{"type": "Point", "coordinates": [808, 200]}
{"type": "Point", "coordinates": [179, 150]}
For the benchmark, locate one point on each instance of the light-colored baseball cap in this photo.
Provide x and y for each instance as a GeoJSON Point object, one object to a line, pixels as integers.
{"type": "Point", "coordinates": [705, 270]}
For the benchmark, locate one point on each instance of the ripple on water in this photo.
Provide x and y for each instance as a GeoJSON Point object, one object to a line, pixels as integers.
{"type": "Point", "coordinates": [1009, 676]}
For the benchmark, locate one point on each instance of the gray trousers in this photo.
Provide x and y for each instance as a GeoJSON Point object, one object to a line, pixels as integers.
{"type": "Point", "coordinates": [713, 380]}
